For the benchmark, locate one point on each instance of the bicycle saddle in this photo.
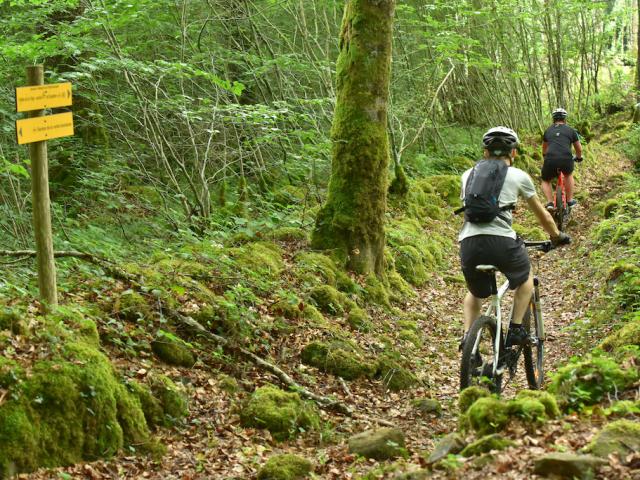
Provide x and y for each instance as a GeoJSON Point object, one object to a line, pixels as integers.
{"type": "Point", "coordinates": [486, 268]}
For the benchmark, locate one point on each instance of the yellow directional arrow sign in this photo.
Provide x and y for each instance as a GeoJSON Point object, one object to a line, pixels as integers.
{"type": "Point", "coordinates": [37, 129]}
{"type": "Point", "coordinates": [39, 97]}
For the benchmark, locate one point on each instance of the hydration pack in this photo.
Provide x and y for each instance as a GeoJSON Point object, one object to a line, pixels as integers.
{"type": "Point", "coordinates": [482, 191]}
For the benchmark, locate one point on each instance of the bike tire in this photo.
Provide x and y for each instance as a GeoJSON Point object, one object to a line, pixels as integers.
{"type": "Point", "coordinates": [559, 213]}
{"type": "Point", "coordinates": [533, 352]}
{"type": "Point", "coordinates": [472, 370]}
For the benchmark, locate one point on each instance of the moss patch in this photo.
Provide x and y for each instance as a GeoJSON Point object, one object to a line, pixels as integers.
{"type": "Point", "coordinates": [359, 320]}
{"type": "Point", "coordinates": [488, 415]}
{"type": "Point", "coordinates": [469, 396]}
{"type": "Point", "coordinates": [487, 444]}
{"type": "Point", "coordinates": [547, 400]}
{"type": "Point", "coordinates": [285, 467]}
{"type": "Point", "coordinates": [328, 299]}
{"type": "Point", "coordinates": [337, 358]}
{"type": "Point", "coordinates": [172, 399]}
{"type": "Point", "coordinates": [621, 437]}
{"type": "Point", "coordinates": [173, 350]}
{"type": "Point", "coordinates": [394, 375]}
{"type": "Point", "coordinates": [284, 414]}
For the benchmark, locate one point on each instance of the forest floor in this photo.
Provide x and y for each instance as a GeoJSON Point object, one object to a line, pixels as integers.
{"type": "Point", "coordinates": [212, 444]}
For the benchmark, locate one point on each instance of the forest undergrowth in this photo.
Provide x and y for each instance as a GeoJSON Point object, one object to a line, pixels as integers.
{"type": "Point", "coordinates": [387, 349]}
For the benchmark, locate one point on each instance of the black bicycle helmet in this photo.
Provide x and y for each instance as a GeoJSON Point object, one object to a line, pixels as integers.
{"type": "Point", "coordinates": [559, 114]}
{"type": "Point", "coordinates": [500, 140]}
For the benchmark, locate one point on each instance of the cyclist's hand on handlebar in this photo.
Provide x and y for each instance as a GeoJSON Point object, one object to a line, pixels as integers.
{"type": "Point", "coordinates": [561, 239]}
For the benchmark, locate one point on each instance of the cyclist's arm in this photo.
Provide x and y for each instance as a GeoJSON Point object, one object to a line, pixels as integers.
{"type": "Point", "coordinates": [543, 216]}
{"type": "Point", "coordinates": [545, 146]}
{"type": "Point", "coordinates": [578, 147]}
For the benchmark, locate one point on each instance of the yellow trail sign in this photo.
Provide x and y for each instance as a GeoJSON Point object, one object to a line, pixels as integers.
{"type": "Point", "coordinates": [37, 129]}
{"type": "Point", "coordinates": [38, 97]}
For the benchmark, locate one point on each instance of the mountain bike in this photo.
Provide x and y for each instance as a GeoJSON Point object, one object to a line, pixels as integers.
{"type": "Point", "coordinates": [485, 358]}
{"type": "Point", "coordinates": [561, 211]}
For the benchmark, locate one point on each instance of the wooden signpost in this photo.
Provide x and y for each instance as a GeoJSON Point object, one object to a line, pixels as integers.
{"type": "Point", "coordinates": [35, 131]}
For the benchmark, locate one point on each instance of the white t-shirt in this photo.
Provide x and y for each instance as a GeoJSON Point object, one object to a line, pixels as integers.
{"type": "Point", "coordinates": [516, 184]}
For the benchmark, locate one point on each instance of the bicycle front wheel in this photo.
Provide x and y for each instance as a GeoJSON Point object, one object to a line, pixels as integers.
{"type": "Point", "coordinates": [534, 351]}
{"type": "Point", "coordinates": [478, 354]}
{"type": "Point", "coordinates": [559, 213]}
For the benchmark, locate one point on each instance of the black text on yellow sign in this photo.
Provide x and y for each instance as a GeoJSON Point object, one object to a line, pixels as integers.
{"type": "Point", "coordinates": [39, 97]}
{"type": "Point", "coordinates": [37, 129]}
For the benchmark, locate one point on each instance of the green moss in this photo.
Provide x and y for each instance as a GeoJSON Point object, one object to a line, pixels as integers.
{"type": "Point", "coordinates": [359, 320]}
{"type": "Point", "coordinates": [410, 265]}
{"type": "Point", "coordinates": [380, 444]}
{"type": "Point", "coordinates": [486, 444]}
{"type": "Point", "coordinates": [316, 268]}
{"type": "Point", "coordinates": [621, 437]}
{"type": "Point", "coordinates": [345, 283]}
{"type": "Point", "coordinates": [313, 316]}
{"type": "Point", "coordinates": [427, 406]}
{"type": "Point", "coordinates": [259, 259]}
{"type": "Point", "coordinates": [228, 384]}
{"type": "Point", "coordinates": [624, 408]}
{"type": "Point", "coordinates": [10, 372]}
{"type": "Point", "coordinates": [588, 381]}
{"type": "Point", "coordinates": [288, 234]}
{"type": "Point", "coordinates": [11, 320]}
{"type": "Point", "coordinates": [411, 337]}
{"type": "Point", "coordinates": [284, 414]}
{"type": "Point", "coordinates": [289, 308]}
{"type": "Point", "coordinates": [173, 350]}
{"type": "Point", "coordinates": [289, 195]}
{"type": "Point", "coordinates": [487, 415]}
{"type": "Point", "coordinates": [376, 291]}
{"type": "Point", "coordinates": [69, 409]}
{"type": "Point", "coordinates": [447, 187]}
{"type": "Point", "coordinates": [469, 396]}
{"type": "Point", "coordinates": [529, 233]}
{"type": "Point", "coordinates": [285, 467]}
{"type": "Point", "coordinates": [527, 409]}
{"type": "Point", "coordinates": [172, 399]}
{"type": "Point", "coordinates": [337, 358]}
{"type": "Point", "coordinates": [629, 334]}
{"type": "Point", "coordinates": [132, 306]}
{"type": "Point", "coordinates": [399, 290]}
{"type": "Point", "coordinates": [551, 409]}
{"type": "Point", "coordinates": [328, 299]}
{"type": "Point", "coordinates": [151, 407]}
{"type": "Point", "coordinates": [394, 375]}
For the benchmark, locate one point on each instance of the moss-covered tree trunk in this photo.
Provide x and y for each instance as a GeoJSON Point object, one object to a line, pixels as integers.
{"type": "Point", "coordinates": [352, 219]}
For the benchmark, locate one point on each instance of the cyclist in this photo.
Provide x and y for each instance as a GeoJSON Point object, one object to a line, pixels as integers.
{"type": "Point", "coordinates": [556, 151]}
{"type": "Point", "coordinates": [496, 242]}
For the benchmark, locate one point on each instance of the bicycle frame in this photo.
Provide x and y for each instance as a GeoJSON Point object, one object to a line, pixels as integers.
{"type": "Point", "coordinates": [560, 185]}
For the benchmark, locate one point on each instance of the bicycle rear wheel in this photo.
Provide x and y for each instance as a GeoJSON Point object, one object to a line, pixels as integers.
{"type": "Point", "coordinates": [559, 213]}
{"type": "Point", "coordinates": [476, 366]}
{"type": "Point", "coordinates": [534, 351]}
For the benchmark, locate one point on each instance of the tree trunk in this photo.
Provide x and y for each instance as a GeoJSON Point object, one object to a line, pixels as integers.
{"type": "Point", "coordinates": [352, 219]}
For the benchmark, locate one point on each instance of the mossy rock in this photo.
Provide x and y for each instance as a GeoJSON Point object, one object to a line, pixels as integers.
{"type": "Point", "coordinates": [289, 308]}
{"type": "Point", "coordinates": [259, 259]}
{"type": "Point", "coordinates": [131, 305]}
{"type": "Point", "coordinates": [328, 299]}
{"type": "Point", "coordinates": [410, 265]}
{"type": "Point", "coordinates": [359, 320]}
{"type": "Point", "coordinates": [376, 291]}
{"type": "Point", "coordinates": [588, 381]}
{"type": "Point", "coordinates": [345, 283]}
{"type": "Point", "coordinates": [629, 334]}
{"type": "Point", "coordinates": [469, 396]}
{"type": "Point", "coordinates": [621, 437]}
{"type": "Point", "coordinates": [527, 409]}
{"type": "Point", "coordinates": [427, 406]}
{"type": "Point", "coordinates": [11, 320]}
{"type": "Point", "coordinates": [394, 375]}
{"type": "Point", "coordinates": [381, 444]}
{"type": "Point", "coordinates": [316, 268]}
{"type": "Point", "coordinates": [549, 402]}
{"type": "Point", "coordinates": [153, 412]}
{"type": "Point", "coordinates": [337, 358]}
{"type": "Point", "coordinates": [447, 187]}
{"type": "Point", "coordinates": [313, 315]}
{"type": "Point", "coordinates": [567, 465]}
{"type": "Point", "coordinates": [172, 399]}
{"type": "Point", "coordinates": [71, 408]}
{"type": "Point", "coordinates": [488, 415]}
{"type": "Point", "coordinates": [486, 444]}
{"type": "Point", "coordinates": [288, 234]}
{"type": "Point", "coordinates": [451, 444]}
{"type": "Point", "coordinates": [410, 336]}
{"type": "Point", "coordinates": [228, 384]}
{"type": "Point", "coordinates": [285, 467]}
{"type": "Point", "coordinates": [284, 414]}
{"type": "Point", "coordinates": [399, 289]}
{"type": "Point", "coordinates": [173, 350]}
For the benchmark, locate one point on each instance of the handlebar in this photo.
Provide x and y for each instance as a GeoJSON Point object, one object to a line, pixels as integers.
{"type": "Point", "coordinates": [543, 245]}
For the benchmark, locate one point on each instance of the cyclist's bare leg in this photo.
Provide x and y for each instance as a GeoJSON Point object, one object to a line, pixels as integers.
{"type": "Point", "coordinates": [472, 307]}
{"type": "Point", "coordinates": [569, 185]}
{"type": "Point", "coordinates": [546, 189]}
{"type": "Point", "coordinates": [521, 299]}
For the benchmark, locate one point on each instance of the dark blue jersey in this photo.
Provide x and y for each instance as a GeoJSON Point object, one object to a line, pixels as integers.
{"type": "Point", "coordinates": [560, 137]}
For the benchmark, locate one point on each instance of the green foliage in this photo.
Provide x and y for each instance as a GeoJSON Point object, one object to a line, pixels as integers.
{"type": "Point", "coordinates": [285, 467]}
{"type": "Point", "coordinates": [284, 414]}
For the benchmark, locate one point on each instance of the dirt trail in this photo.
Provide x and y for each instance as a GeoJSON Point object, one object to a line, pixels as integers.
{"type": "Point", "coordinates": [213, 445]}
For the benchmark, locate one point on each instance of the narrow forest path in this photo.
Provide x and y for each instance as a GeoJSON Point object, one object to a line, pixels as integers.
{"type": "Point", "coordinates": [213, 445]}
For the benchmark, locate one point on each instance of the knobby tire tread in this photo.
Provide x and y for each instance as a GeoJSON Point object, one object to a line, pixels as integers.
{"type": "Point", "coordinates": [466, 361]}
{"type": "Point", "coordinates": [533, 365]}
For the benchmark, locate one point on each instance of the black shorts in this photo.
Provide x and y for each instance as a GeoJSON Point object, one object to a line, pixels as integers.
{"type": "Point", "coordinates": [551, 166]}
{"type": "Point", "coordinates": [509, 255]}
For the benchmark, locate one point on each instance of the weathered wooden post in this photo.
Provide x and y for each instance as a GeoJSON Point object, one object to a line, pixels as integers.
{"type": "Point", "coordinates": [42, 206]}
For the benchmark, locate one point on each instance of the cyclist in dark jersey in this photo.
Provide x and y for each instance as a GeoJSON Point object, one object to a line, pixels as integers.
{"type": "Point", "coordinates": [556, 150]}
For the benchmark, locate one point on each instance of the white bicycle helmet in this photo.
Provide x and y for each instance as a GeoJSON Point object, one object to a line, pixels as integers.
{"type": "Point", "coordinates": [500, 138]}
{"type": "Point", "coordinates": [559, 114]}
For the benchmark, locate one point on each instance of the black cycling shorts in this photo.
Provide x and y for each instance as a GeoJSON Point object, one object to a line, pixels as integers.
{"type": "Point", "coordinates": [551, 166]}
{"type": "Point", "coordinates": [509, 255]}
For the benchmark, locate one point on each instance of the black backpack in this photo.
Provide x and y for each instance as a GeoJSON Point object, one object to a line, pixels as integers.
{"type": "Point", "coordinates": [482, 191]}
